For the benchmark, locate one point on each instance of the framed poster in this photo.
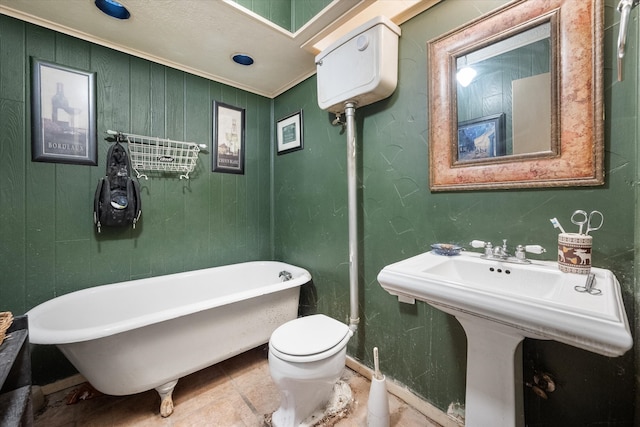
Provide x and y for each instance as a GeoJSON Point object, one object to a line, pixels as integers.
{"type": "Point", "coordinates": [63, 116]}
{"type": "Point", "coordinates": [228, 138]}
{"type": "Point", "coordinates": [290, 133]}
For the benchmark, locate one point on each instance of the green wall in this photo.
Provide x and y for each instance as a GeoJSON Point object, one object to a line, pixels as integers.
{"type": "Point", "coordinates": [288, 14]}
{"type": "Point", "coordinates": [422, 347]}
{"type": "Point", "coordinates": [48, 243]}
{"type": "Point", "coordinates": [293, 207]}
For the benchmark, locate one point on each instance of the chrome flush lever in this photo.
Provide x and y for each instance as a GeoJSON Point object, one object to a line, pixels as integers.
{"type": "Point", "coordinates": [624, 7]}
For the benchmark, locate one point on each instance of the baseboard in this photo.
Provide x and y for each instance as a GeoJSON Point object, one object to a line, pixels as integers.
{"type": "Point", "coordinates": [403, 393]}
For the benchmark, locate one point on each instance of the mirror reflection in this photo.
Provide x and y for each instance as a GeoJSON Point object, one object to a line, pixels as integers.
{"type": "Point", "coordinates": [504, 97]}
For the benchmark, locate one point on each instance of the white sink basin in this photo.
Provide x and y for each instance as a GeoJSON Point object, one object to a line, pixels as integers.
{"type": "Point", "coordinates": [498, 305]}
{"type": "Point", "coordinates": [537, 298]}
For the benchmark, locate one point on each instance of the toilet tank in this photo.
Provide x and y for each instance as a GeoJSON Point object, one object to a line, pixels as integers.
{"type": "Point", "coordinates": [361, 66]}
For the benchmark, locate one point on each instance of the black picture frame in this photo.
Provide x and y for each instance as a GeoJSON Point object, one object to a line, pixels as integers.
{"type": "Point", "coordinates": [290, 133]}
{"type": "Point", "coordinates": [481, 138]}
{"type": "Point", "coordinates": [63, 114]}
{"type": "Point", "coordinates": [228, 138]}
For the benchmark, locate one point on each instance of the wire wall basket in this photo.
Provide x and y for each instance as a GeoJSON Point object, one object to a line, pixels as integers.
{"type": "Point", "coordinates": [160, 154]}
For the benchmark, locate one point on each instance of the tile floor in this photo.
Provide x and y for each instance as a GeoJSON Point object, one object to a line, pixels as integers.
{"type": "Point", "coordinates": [235, 393]}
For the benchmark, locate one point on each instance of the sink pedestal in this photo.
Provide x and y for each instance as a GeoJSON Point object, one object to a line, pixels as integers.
{"type": "Point", "coordinates": [494, 375]}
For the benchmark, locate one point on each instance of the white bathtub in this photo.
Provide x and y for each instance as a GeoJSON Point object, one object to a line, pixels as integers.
{"type": "Point", "coordinates": [133, 336]}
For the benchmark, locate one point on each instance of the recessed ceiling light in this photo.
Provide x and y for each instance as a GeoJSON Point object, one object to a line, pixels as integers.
{"type": "Point", "coordinates": [242, 59]}
{"type": "Point", "coordinates": [113, 8]}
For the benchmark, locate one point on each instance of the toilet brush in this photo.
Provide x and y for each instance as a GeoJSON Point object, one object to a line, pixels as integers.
{"type": "Point", "coordinates": [378, 405]}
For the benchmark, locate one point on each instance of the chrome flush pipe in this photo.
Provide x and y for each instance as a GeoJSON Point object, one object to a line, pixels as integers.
{"type": "Point", "coordinates": [350, 113]}
{"type": "Point", "coordinates": [624, 7]}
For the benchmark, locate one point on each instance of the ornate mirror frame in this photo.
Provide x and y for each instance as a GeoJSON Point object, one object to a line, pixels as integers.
{"type": "Point", "coordinates": [577, 102]}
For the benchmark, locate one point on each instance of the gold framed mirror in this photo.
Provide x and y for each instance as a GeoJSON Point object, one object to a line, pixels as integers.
{"type": "Point", "coordinates": [532, 115]}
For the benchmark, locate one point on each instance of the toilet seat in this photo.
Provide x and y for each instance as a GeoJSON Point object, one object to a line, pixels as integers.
{"type": "Point", "coordinates": [310, 338]}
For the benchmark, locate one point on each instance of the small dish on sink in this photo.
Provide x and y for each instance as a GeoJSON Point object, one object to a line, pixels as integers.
{"type": "Point", "coordinates": [446, 249]}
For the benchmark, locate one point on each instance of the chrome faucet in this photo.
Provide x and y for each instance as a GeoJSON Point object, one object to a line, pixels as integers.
{"type": "Point", "coordinates": [285, 275]}
{"type": "Point", "coordinates": [502, 252]}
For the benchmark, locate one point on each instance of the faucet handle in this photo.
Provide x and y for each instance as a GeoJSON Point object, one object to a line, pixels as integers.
{"type": "Point", "coordinates": [488, 247]}
{"type": "Point", "coordinates": [478, 243]}
{"type": "Point", "coordinates": [535, 249]}
{"type": "Point", "coordinates": [520, 251]}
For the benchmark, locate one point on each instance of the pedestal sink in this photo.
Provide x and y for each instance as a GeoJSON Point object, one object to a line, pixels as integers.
{"type": "Point", "coordinates": [499, 304]}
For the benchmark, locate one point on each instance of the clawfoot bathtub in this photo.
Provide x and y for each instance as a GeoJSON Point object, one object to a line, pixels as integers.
{"type": "Point", "coordinates": [133, 336]}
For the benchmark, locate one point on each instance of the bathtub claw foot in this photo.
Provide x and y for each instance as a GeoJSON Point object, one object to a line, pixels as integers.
{"type": "Point", "coordinates": [166, 404]}
{"type": "Point", "coordinates": [166, 407]}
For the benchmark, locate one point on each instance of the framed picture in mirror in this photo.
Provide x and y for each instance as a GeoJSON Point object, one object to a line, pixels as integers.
{"type": "Point", "coordinates": [481, 139]}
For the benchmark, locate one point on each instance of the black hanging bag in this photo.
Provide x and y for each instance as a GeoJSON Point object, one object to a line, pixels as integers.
{"type": "Point", "coordinates": [117, 200]}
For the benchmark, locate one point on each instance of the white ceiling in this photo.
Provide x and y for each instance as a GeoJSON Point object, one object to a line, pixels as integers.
{"type": "Point", "coordinates": [200, 36]}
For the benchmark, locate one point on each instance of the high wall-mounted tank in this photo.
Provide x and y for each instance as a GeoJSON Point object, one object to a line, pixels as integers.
{"type": "Point", "coordinates": [360, 67]}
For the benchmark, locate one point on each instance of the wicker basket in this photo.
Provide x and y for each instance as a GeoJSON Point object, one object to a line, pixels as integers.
{"type": "Point", "coordinates": [6, 318]}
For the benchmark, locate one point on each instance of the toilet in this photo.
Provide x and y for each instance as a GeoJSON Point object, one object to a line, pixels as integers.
{"type": "Point", "coordinates": [306, 358]}
{"type": "Point", "coordinates": [307, 355]}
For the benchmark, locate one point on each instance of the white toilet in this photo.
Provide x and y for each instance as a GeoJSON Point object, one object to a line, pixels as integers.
{"type": "Point", "coordinates": [306, 358]}
{"type": "Point", "coordinates": [307, 355]}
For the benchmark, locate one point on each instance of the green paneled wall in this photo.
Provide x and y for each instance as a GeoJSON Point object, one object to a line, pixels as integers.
{"type": "Point", "coordinates": [422, 347]}
{"type": "Point", "coordinates": [288, 14]}
{"type": "Point", "coordinates": [276, 11]}
{"type": "Point", "coordinates": [305, 10]}
{"type": "Point", "coordinates": [48, 243]}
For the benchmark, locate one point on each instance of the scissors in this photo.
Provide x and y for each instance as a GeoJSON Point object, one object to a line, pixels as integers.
{"type": "Point", "coordinates": [580, 218]}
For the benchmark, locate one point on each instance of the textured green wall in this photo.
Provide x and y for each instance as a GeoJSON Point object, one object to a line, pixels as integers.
{"type": "Point", "coordinates": [48, 243]}
{"type": "Point", "coordinates": [422, 347]}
